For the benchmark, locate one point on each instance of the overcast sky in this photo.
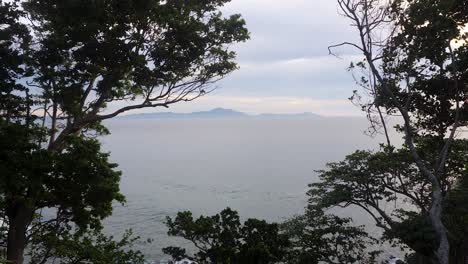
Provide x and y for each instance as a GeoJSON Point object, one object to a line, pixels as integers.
{"type": "Point", "coordinates": [285, 66]}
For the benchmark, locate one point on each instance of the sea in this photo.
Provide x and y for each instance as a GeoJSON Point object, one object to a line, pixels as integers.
{"type": "Point", "coordinates": [259, 167]}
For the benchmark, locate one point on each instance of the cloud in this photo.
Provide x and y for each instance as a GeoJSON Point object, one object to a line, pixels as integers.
{"type": "Point", "coordinates": [284, 29]}
{"type": "Point", "coordinates": [322, 77]}
{"type": "Point", "coordinates": [287, 55]}
{"type": "Point", "coordinates": [285, 67]}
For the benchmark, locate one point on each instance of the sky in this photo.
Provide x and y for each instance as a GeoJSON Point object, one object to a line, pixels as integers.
{"type": "Point", "coordinates": [285, 66]}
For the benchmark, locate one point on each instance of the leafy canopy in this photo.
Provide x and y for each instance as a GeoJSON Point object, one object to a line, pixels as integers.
{"type": "Point", "coordinates": [65, 66]}
{"type": "Point", "coordinates": [222, 238]}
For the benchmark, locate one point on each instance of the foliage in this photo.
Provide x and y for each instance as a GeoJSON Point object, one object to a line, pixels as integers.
{"type": "Point", "coordinates": [93, 183]}
{"type": "Point", "coordinates": [15, 40]}
{"type": "Point", "coordinates": [84, 247]}
{"type": "Point", "coordinates": [62, 65]}
{"type": "Point", "coordinates": [314, 237]}
{"type": "Point", "coordinates": [390, 188]}
{"type": "Point", "coordinates": [432, 53]}
{"type": "Point", "coordinates": [93, 180]}
{"type": "Point", "coordinates": [318, 237]}
{"type": "Point", "coordinates": [223, 239]}
{"type": "Point", "coordinates": [414, 67]}
{"type": "Point", "coordinates": [149, 53]}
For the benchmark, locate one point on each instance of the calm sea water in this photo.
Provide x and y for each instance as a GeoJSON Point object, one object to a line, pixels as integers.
{"type": "Point", "coordinates": [259, 167]}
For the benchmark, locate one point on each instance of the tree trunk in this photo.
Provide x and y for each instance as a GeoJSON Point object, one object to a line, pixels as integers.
{"type": "Point", "coordinates": [443, 250]}
{"type": "Point", "coordinates": [19, 218]}
{"type": "Point", "coordinates": [465, 250]}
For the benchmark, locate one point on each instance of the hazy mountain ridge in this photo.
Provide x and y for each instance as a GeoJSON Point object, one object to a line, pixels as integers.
{"type": "Point", "coordinates": [217, 113]}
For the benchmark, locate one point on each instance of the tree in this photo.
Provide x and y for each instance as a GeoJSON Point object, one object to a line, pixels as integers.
{"type": "Point", "coordinates": [413, 68]}
{"type": "Point", "coordinates": [315, 237]}
{"type": "Point", "coordinates": [90, 247]}
{"type": "Point", "coordinates": [318, 237]}
{"type": "Point", "coordinates": [390, 188]}
{"type": "Point", "coordinates": [93, 184]}
{"type": "Point", "coordinates": [223, 239]}
{"type": "Point", "coordinates": [68, 65]}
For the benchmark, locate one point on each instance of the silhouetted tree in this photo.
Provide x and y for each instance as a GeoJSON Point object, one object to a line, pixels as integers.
{"type": "Point", "coordinates": [414, 66]}
{"type": "Point", "coordinates": [68, 65]}
{"type": "Point", "coordinates": [223, 239]}
{"type": "Point", "coordinates": [319, 237]}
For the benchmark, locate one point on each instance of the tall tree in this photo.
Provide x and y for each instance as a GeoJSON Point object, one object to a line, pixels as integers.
{"type": "Point", "coordinates": [415, 55]}
{"type": "Point", "coordinates": [68, 65]}
{"type": "Point", "coordinates": [389, 187]}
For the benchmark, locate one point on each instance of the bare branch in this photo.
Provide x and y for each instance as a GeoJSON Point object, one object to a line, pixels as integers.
{"type": "Point", "coordinates": [330, 48]}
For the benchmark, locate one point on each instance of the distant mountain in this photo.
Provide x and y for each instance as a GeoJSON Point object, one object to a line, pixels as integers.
{"type": "Point", "coordinates": [216, 113]}
{"type": "Point", "coordinates": [299, 115]}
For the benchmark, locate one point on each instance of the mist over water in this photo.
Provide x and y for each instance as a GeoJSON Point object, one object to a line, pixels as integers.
{"type": "Point", "coordinates": [259, 167]}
